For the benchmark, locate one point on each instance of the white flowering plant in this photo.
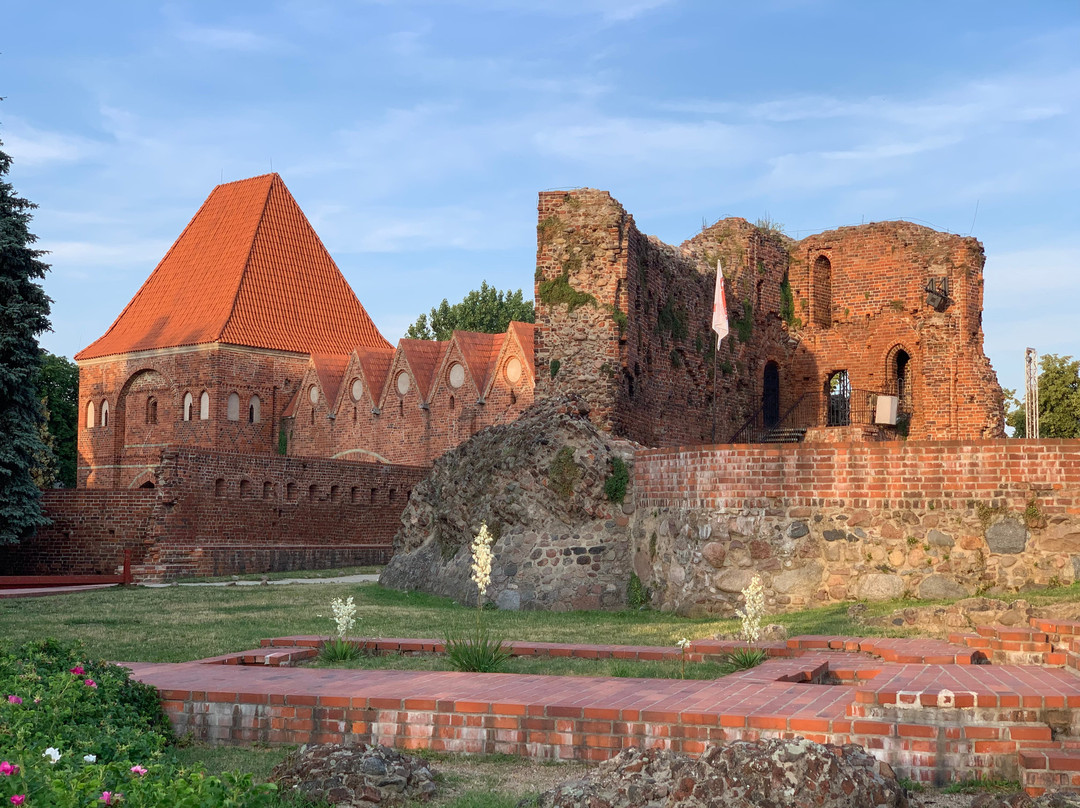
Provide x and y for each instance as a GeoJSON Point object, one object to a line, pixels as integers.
{"type": "Point", "coordinates": [753, 610]}
{"type": "Point", "coordinates": [477, 651]}
{"type": "Point", "coordinates": [338, 648]}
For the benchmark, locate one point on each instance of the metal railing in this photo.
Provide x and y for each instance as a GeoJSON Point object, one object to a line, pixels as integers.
{"type": "Point", "coordinates": [847, 408]}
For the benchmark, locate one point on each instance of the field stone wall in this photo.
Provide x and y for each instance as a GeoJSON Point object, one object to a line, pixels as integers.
{"type": "Point", "coordinates": [560, 543]}
{"type": "Point", "coordinates": [832, 522]}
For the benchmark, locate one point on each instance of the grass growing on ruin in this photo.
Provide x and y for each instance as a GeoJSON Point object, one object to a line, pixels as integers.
{"type": "Point", "coordinates": [180, 623]}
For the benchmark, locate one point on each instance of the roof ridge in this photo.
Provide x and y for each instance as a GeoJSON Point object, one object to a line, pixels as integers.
{"type": "Point", "coordinates": [251, 252]}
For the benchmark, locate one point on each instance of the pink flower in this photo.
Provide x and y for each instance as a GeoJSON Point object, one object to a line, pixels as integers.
{"type": "Point", "coordinates": [14, 699]}
{"type": "Point", "coordinates": [78, 670]}
{"type": "Point", "coordinates": [90, 683]}
{"type": "Point", "coordinates": [18, 799]}
{"type": "Point", "coordinates": [139, 770]}
{"type": "Point", "coordinates": [8, 769]}
{"type": "Point", "coordinates": [107, 796]}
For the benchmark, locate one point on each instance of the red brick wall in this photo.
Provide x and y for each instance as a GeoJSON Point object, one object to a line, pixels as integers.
{"type": "Point", "coordinates": [88, 535]}
{"type": "Point", "coordinates": [315, 513]}
{"type": "Point", "coordinates": [414, 428]}
{"type": "Point", "coordinates": [878, 304]}
{"type": "Point", "coordinates": [652, 378]}
{"type": "Point", "coordinates": [901, 475]}
{"type": "Point", "coordinates": [117, 455]}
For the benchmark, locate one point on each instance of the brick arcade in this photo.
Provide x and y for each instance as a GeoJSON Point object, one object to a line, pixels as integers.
{"type": "Point", "coordinates": [246, 342]}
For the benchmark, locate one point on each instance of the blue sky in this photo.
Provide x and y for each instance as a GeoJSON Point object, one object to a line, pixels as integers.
{"type": "Point", "coordinates": [416, 134]}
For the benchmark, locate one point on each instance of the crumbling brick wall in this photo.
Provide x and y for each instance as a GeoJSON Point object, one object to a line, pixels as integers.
{"type": "Point", "coordinates": [625, 320]}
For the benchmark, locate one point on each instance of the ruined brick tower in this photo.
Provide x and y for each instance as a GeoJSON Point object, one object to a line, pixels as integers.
{"type": "Point", "coordinates": [821, 329]}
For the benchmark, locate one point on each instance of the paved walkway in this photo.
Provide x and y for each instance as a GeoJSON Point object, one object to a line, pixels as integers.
{"type": "Point", "coordinates": [341, 579]}
{"type": "Point", "coordinates": [42, 591]}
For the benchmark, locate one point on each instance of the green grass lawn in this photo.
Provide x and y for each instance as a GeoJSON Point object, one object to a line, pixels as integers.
{"type": "Point", "coordinates": [176, 624]}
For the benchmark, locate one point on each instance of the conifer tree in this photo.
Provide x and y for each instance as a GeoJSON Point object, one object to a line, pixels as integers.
{"type": "Point", "coordinates": [24, 313]}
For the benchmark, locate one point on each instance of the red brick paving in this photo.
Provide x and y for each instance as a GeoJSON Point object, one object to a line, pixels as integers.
{"type": "Point", "coordinates": [923, 706]}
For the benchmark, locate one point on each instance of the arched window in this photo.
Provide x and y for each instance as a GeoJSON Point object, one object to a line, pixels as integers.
{"type": "Point", "coordinates": [232, 409]}
{"type": "Point", "coordinates": [254, 407]}
{"type": "Point", "coordinates": [335, 493]}
{"type": "Point", "coordinates": [204, 406]}
{"type": "Point", "coordinates": [822, 292]}
{"type": "Point", "coordinates": [313, 492]}
{"type": "Point", "coordinates": [219, 487]}
{"type": "Point", "coordinates": [151, 410]}
{"type": "Point", "coordinates": [451, 402]}
{"type": "Point", "coordinates": [187, 406]}
{"type": "Point", "coordinates": [245, 489]}
{"type": "Point", "coordinates": [268, 490]}
{"type": "Point", "coordinates": [105, 412]}
{"type": "Point", "coordinates": [838, 395]}
{"type": "Point", "coordinates": [90, 415]}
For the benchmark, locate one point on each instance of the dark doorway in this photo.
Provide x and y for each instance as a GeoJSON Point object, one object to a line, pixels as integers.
{"type": "Point", "coordinates": [838, 394]}
{"type": "Point", "coordinates": [902, 392]}
{"type": "Point", "coordinates": [770, 395]}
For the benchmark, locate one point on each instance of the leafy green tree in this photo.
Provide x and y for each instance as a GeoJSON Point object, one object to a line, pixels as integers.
{"type": "Point", "coordinates": [1059, 400]}
{"type": "Point", "coordinates": [487, 309]}
{"type": "Point", "coordinates": [24, 313]}
{"type": "Point", "coordinates": [59, 392]}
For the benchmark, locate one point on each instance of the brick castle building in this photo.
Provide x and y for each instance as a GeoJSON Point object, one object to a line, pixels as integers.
{"type": "Point", "coordinates": [243, 413]}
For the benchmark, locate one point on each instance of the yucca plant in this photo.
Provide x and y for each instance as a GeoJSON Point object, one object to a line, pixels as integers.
{"type": "Point", "coordinates": [742, 659]}
{"type": "Point", "coordinates": [339, 649]}
{"type": "Point", "coordinates": [475, 651]}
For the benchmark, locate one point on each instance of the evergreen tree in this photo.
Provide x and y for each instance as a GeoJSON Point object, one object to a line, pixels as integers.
{"type": "Point", "coordinates": [59, 392]}
{"type": "Point", "coordinates": [487, 309]}
{"type": "Point", "coordinates": [24, 313]}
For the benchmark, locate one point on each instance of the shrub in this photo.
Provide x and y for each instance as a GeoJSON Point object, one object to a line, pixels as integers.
{"type": "Point", "coordinates": [339, 649]}
{"type": "Point", "coordinates": [78, 732]}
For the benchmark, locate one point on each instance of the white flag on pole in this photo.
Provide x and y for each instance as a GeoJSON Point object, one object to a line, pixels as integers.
{"type": "Point", "coordinates": [719, 306]}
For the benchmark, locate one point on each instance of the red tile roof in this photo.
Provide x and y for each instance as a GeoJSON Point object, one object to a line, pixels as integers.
{"type": "Point", "coordinates": [375, 362]}
{"type": "Point", "coordinates": [248, 270]}
{"type": "Point", "coordinates": [424, 357]}
{"type": "Point", "coordinates": [480, 352]}
{"type": "Point", "coordinates": [330, 368]}
{"type": "Point", "coordinates": [526, 337]}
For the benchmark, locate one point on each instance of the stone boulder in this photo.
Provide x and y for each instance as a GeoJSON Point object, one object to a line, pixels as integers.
{"type": "Point", "coordinates": [539, 485]}
{"type": "Point", "coordinates": [764, 774]}
{"type": "Point", "coordinates": [362, 775]}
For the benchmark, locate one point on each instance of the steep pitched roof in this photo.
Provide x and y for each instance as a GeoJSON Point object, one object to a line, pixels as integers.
{"type": "Point", "coordinates": [248, 270]}
{"type": "Point", "coordinates": [526, 337]}
{"type": "Point", "coordinates": [330, 368]}
{"type": "Point", "coordinates": [424, 357]}
{"type": "Point", "coordinates": [375, 363]}
{"type": "Point", "coordinates": [481, 351]}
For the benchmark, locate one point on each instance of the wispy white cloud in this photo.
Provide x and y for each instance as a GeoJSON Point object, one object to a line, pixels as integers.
{"type": "Point", "coordinates": [31, 148]}
{"type": "Point", "coordinates": [227, 39]}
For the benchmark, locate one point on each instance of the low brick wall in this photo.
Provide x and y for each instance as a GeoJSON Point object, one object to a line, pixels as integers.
{"type": "Point", "coordinates": [830, 522]}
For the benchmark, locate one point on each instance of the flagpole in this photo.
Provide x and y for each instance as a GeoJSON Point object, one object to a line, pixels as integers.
{"type": "Point", "coordinates": [715, 356]}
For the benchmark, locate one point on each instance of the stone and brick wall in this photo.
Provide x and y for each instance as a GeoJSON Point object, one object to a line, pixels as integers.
{"type": "Point", "coordinates": [217, 513]}
{"type": "Point", "coordinates": [829, 522]}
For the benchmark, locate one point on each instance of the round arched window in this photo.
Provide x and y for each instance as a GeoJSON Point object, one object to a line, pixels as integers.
{"type": "Point", "coordinates": [403, 383]}
{"type": "Point", "coordinates": [233, 408]}
{"type": "Point", "coordinates": [313, 394]}
{"type": "Point", "coordinates": [357, 389]}
{"type": "Point", "coordinates": [513, 370]}
{"type": "Point", "coordinates": [457, 375]}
